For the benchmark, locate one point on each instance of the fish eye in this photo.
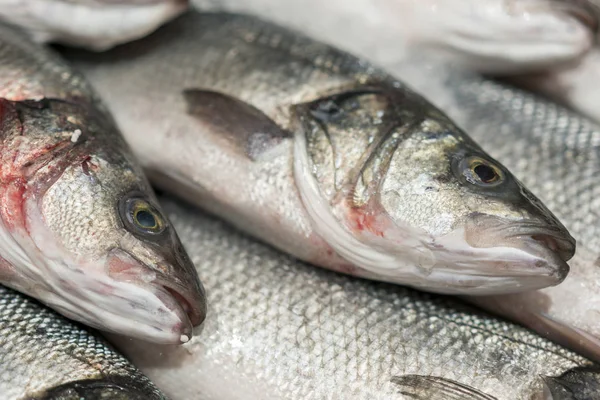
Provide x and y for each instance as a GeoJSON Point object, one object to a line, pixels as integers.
{"type": "Point", "coordinates": [479, 171]}
{"type": "Point", "coordinates": [144, 217]}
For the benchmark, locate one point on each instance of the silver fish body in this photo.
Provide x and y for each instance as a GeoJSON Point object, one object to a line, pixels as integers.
{"type": "Point", "coordinates": [95, 24]}
{"type": "Point", "coordinates": [280, 329]}
{"type": "Point", "coordinates": [326, 157]}
{"type": "Point", "coordinates": [80, 227]}
{"type": "Point", "coordinates": [44, 356]}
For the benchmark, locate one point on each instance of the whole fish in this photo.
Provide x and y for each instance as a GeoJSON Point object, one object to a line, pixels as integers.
{"type": "Point", "coordinates": [80, 228]}
{"type": "Point", "coordinates": [44, 356]}
{"type": "Point", "coordinates": [325, 157]}
{"type": "Point", "coordinates": [283, 330]}
{"type": "Point", "coordinates": [94, 24]}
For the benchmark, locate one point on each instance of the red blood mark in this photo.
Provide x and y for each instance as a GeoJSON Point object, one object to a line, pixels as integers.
{"type": "Point", "coordinates": [363, 220]}
{"type": "Point", "coordinates": [88, 166]}
{"type": "Point", "coordinates": [13, 204]}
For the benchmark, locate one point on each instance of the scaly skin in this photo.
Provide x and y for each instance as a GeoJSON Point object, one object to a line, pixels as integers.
{"type": "Point", "coordinates": [70, 193]}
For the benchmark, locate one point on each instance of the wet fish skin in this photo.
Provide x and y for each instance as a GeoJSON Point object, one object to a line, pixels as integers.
{"type": "Point", "coordinates": [45, 356]}
{"type": "Point", "coordinates": [557, 153]}
{"type": "Point", "coordinates": [280, 329]}
{"type": "Point", "coordinates": [259, 125]}
{"type": "Point", "coordinates": [94, 24]}
{"type": "Point", "coordinates": [70, 195]}
{"type": "Point", "coordinates": [492, 36]}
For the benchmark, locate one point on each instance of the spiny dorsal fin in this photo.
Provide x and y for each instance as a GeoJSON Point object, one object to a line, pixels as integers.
{"type": "Point", "coordinates": [420, 387]}
{"type": "Point", "coordinates": [247, 128]}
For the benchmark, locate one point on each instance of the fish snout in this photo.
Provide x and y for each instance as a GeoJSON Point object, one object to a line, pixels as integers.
{"type": "Point", "coordinates": [171, 305]}
{"type": "Point", "coordinates": [191, 300]}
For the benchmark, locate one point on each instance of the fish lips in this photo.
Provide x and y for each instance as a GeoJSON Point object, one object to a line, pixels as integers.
{"type": "Point", "coordinates": [187, 306]}
{"type": "Point", "coordinates": [539, 251]}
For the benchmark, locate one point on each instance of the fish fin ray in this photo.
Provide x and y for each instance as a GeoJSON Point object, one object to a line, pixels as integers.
{"type": "Point", "coordinates": [421, 387]}
{"type": "Point", "coordinates": [247, 128]}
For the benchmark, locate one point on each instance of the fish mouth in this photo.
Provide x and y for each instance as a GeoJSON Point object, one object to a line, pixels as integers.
{"type": "Point", "coordinates": [537, 248]}
{"type": "Point", "coordinates": [554, 239]}
{"type": "Point", "coordinates": [191, 309]}
{"type": "Point", "coordinates": [176, 309]}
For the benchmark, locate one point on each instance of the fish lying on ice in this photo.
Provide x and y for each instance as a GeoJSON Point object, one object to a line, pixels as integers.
{"type": "Point", "coordinates": [80, 228]}
{"type": "Point", "coordinates": [280, 329]}
{"type": "Point", "coordinates": [44, 356]}
{"type": "Point", "coordinates": [325, 157]}
{"type": "Point", "coordinates": [95, 24]}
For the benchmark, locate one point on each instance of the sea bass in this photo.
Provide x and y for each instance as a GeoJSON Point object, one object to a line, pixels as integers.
{"type": "Point", "coordinates": [95, 24]}
{"type": "Point", "coordinates": [80, 228]}
{"type": "Point", "coordinates": [283, 330]}
{"type": "Point", "coordinates": [44, 356]}
{"type": "Point", "coordinates": [493, 36]}
{"type": "Point", "coordinates": [546, 45]}
{"type": "Point", "coordinates": [557, 153]}
{"type": "Point", "coordinates": [325, 157]}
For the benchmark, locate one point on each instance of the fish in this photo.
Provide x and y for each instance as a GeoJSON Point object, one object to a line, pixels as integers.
{"type": "Point", "coordinates": [325, 157]}
{"type": "Point", "coordinates": [44, 356]}
{"type": "Point", "coordinates": [80, 227]}
{"type": "Point", "coordinates": [547, 46]}
{"type": "Point", "coordinates": [556, 152]}
{"type": "Point", "coordinates": [281, 329]}
{"type": "Point", "coordinates": [487, 36]}
{"type": "Point", "coordinates": [573, 86]}
{"type": "Point", "coordinates": [93, 24]}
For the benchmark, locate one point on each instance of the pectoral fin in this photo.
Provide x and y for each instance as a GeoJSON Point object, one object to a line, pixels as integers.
{"type": "Point", "coordinates": [246, 128]}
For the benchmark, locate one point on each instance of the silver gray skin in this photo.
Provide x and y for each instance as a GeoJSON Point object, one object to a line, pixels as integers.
{"type": "Point", "coordinates": [280, 329]}
{"type": "Point", "coordinates": [44, 356]}
{"type": "Point", "coordinates": [325, 157]}
{"type": "Point", "coordinates": [556, 152]}
{"type": "Point", "coordinates": [80, 227]}
{"type": "Point", "coordinates": [93, 24]}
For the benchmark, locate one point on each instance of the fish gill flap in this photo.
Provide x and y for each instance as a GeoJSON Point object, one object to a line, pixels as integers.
{"type": "Point", "coordinates": [420, 387]}
{"type": "Point", "coordinates": [246, 128]}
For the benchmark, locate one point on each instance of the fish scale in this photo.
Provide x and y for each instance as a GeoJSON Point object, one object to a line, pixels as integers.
{"type": "Point", "coordinates": [45, 356]}
{"type": "Point", "coordinates": [281, 329]}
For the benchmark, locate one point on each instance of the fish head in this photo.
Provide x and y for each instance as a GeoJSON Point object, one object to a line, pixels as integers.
{"type": "Point", "coordinates": [105, 252]}
{"type": "Point", "coordinates": [420, 202]}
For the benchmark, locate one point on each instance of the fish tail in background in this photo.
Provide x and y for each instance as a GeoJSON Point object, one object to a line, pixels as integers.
{"type": "Point", "coordinates": [98, 25]}
{"type": "Point", "coordinates": [44, 356]}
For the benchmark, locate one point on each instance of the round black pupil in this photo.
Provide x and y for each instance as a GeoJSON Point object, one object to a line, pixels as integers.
{"type": "Point", "coordinates": [145, 219]}
{"type": "Point", "coordinates": [485, 173]}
